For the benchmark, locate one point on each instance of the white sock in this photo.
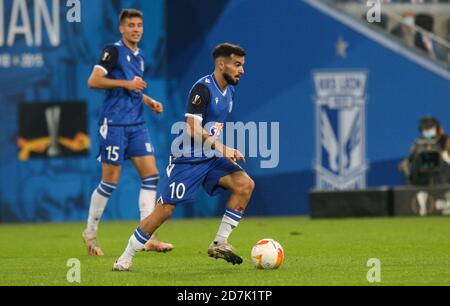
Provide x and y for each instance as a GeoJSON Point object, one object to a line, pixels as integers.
{"type": "Point", "coordinates": [135, 243]}
{"type": "Point", "coordinates": [224, 232]}
{"type": "Point", "coordinates": [230, 221]}
{"type": "Point", "coordinates": [147, 195]}
{"type": "Point", "coordinates": [99, 199]}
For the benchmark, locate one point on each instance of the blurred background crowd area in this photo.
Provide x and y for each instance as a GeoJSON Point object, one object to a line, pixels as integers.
{"type": "Point", "coordinates": [422, 25]}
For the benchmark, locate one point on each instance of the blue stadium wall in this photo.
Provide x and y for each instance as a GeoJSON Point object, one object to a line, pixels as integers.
{"type": "Point", "coordinates": [59, 189]}
{"type": "Point", "coordinates": [285, 43]}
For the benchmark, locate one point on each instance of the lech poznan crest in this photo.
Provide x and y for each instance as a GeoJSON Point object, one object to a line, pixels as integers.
{"type": "Point", "coordinates": [340, 130]}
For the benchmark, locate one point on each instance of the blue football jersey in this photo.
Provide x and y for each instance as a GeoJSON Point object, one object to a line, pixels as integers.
{"type": "Point", "coordinates": [209, 104]}
{"type": "Point", "coordinates": [121, 106]}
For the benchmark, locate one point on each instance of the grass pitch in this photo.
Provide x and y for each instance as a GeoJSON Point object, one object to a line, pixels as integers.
{"type": "Point", "coordinates": [412, 251]}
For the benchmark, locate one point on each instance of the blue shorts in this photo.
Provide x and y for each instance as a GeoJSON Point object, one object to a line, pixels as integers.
{"type": "Point", "coordinates": [182, 181]}
{"type": "Point", "coordinates": [119, 143]}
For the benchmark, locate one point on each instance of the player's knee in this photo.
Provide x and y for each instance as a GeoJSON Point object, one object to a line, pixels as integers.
{"type": "Point", "coordinates": [245, 187]}
{"type": "Point", "coordinates": [111, 173]}
{"type": "Point", "coordinates": [169, 209]}
{"type": "Point", "coordinates": [252, 185]}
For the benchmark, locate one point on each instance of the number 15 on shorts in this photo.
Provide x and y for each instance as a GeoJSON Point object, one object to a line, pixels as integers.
{"type": "Point", "coordinates": [113, 154]}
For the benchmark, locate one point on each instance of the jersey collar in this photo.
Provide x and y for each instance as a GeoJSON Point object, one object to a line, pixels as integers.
{"type": "Point", "coordinates": [224, 93]}
{"type": "Point", "coordinates": [134, 53]}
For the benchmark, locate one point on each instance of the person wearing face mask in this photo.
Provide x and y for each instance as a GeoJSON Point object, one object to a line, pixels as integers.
{"type": "Point", "coordinates": [430, 129]}
{"type": "Point", "coordinates": [429, 159]}
{"type": "Point", "coordinates": [405, 30]}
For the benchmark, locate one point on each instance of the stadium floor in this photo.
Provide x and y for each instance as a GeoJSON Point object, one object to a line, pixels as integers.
{"type": "Point", "coordinates": [412, 251]}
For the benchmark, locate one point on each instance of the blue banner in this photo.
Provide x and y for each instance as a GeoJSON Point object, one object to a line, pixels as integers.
{"type": "Point", "coordinates": [46, 56]}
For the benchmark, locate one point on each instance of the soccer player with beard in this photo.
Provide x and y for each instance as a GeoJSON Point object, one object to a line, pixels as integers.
{"type": "Point", "coordinates": [202, 160]}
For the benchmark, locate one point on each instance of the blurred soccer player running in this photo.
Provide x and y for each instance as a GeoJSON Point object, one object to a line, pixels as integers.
{"type": "Point", "coordinates": [122, 130]}
{"type": "Point", "coordinates": [207, 162]}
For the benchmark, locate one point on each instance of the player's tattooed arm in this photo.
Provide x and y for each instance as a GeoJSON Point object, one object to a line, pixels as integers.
{"type": "Point", "coordinates": [199, 134]}
{"type": "Point", "coordinates": [197, 105]}
{"type": "Point", "coordinates": [154, 105]}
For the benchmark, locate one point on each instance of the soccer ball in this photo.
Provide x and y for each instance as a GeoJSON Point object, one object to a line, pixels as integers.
{"type": "Point", "coordinates": [267, 254]}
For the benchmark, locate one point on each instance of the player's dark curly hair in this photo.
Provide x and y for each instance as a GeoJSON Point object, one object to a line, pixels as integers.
{"type": "Point", "coordinates": [226, 49]}
{"type": "Point", "coordinates": [130, 13]}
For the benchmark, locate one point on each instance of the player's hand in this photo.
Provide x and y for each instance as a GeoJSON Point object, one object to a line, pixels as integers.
{"type": "Point", "coordinates": [156, 107]}
{"type": "Point", "coordinates": [233, 155]}
{"type": "Point", "coordinates": [238, 156]}
{"type": "Point", "coordinates": [137, 85]}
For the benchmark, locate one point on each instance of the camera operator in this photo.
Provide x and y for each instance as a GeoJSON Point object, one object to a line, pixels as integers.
{"type": "Point", "coordinates": [429, 158]}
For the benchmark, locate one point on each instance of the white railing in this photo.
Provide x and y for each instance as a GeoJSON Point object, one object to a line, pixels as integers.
{"type": "Point", "coordinates": [438, 51]}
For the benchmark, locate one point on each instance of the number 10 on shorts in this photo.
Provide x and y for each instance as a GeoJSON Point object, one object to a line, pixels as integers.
{"type": "Point", "coordinates": [177, 190]}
